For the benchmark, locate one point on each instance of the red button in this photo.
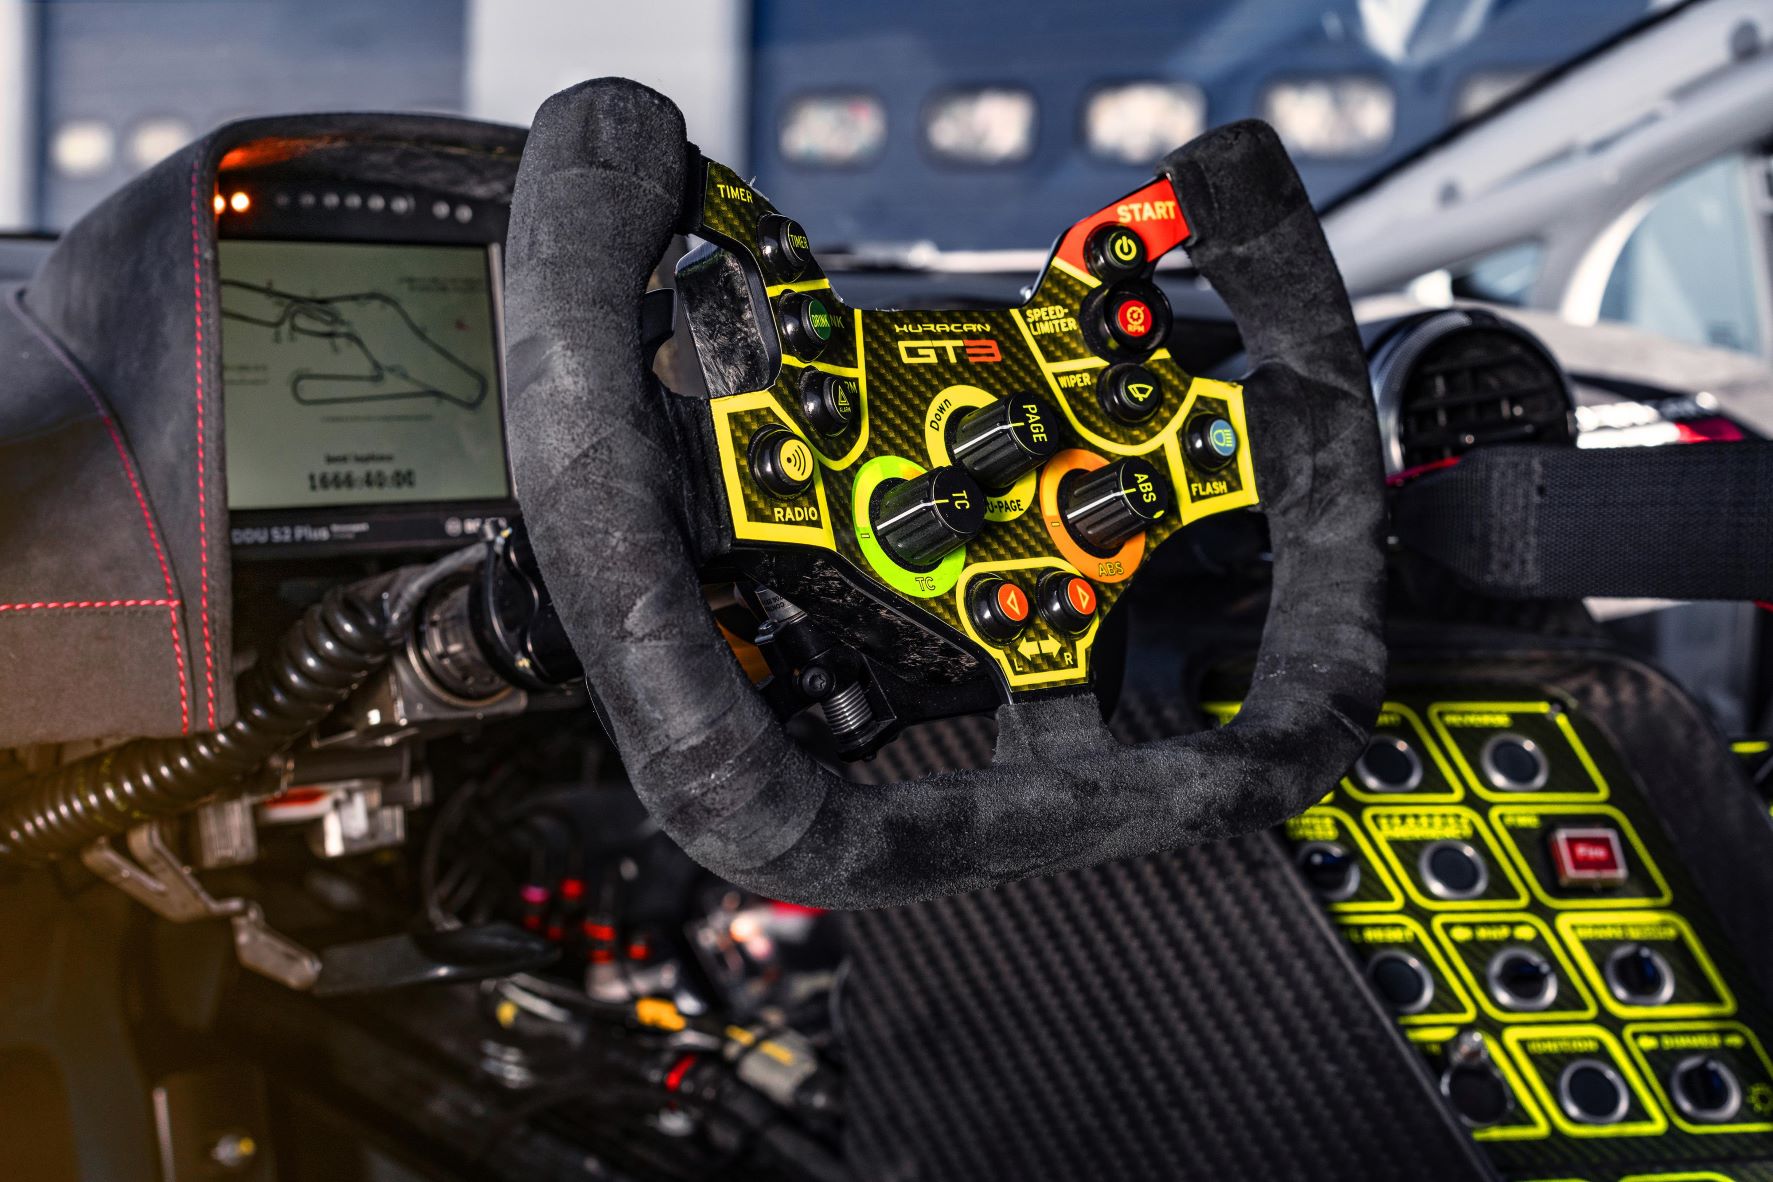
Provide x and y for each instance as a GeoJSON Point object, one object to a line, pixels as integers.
{"type": "Point", "coordinates": [1588, 857]}
{"type": "Point", "coordinates": [1012, 603]}
{"type": "Point", "coordinates": [1082, 596]}
{"type": "Point", "coordinates": [1134, 317]}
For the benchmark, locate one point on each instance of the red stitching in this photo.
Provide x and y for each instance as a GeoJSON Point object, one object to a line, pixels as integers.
{"type": "Point", "coordinates": [60, 354]}
{"type": "Point", "coordinates": [202, 503]}
{"type": "Point", "coordinates": [86, 605]}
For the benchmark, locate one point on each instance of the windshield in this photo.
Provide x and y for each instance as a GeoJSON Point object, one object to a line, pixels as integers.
{"type": "Point", "coordinates": [975, 126]}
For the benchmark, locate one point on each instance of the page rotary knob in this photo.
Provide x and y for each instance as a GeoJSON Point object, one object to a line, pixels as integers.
{"type": "Point", "coordinates": [1104, 508]}
{"type": "Point", "coordinates": [921, 520]}
{"type": "Point", "coordinates": [1001, 442]}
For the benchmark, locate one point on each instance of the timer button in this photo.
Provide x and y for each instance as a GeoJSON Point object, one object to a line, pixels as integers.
{"type": "Point", "coordinates": [828, 401]}
{"type": "Point", "coordinates": [1129, 393]}
{"type": "Point", "coordinates": [1114, 252]}
{"type": "Point", "coordinates": [807, 323]}
{"type": "Point", "coordinates": [1133, 318]}
{"type": "Point", "coordinates": [781, 461]}
{"type": "Point", "coordinates": [921, 520]}
{"type": "Point", "coordinates": [1211, 441]}
{"type": "Point", "coordinates": [785, 247]}
{"type": "Point", "coordinates": [999, 608]}
{"type": "Point", "coordinates": [1001, 442]}
{"type": "Point", "coordinates": [1067, 602]}
{"type": "Point", "coordinates": [1104, 508]}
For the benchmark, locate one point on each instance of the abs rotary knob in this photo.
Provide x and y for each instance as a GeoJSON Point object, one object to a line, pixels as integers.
{"type": "Point", "coordinates": [921, 520]}
{"type": "Point", "coordinates": [1001, 442]}
{"type": "Point", "coordinates": [1106, 507]}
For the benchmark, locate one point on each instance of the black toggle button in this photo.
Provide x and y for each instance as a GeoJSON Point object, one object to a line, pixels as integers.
{"type": "Point", "coordinates": [1590, 1091]}
{"type": "Point", "coordinates": [1114, 252]}
{"type": "Point", "coordinates": [786, 250]}
{"type": "Point", "coordinates": [1401, 981]}
{"type": "Point", "coordinates": [828, 401]}
{"type": "Point", "coordinates": [1000, 442]}
{"type": "Point", "coordinates": [1638, 975]}
{"type": "Point", "coordinates": [1066, 601]}
{"type": "Point", "coordinates": [1522, 979]}
{"type": "Point", "coordinates": [1133, 317]}
{"type": "Point", "coordinates": [1453, 870]}
{"type": "Point", "coordinates": [807, 323]}
{"type": "Point", "coordinates": [781, 461]}
{"type": "Point", "coordinates": [1514, 764]}
{"type": "Point", "coordinates": [1706, 1090]}
{"type": "Point", "coordinates": [1129, 393]}
{"type": "Point", "coordinates": [1211, 441]}
{"type": "Point", "coordinates": [919, 521]}
{"type": "Point", "coordinates": [1106, 507]}
{"type": "Point", "coordinates": [1329, 869]}
{"type": "Point", "coordinates": [1389, 764]}
{"type": "Point", "coordinates": [1478, 1093]}
{"type": "Point", "coordinates": [999, 608]}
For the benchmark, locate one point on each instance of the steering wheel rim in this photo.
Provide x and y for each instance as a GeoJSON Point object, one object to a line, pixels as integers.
{"type": "Point", "coordinates": [601, 190]}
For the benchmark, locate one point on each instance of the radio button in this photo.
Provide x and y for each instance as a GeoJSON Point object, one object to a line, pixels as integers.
{"type": "Point", "coordinates": [780, 461]}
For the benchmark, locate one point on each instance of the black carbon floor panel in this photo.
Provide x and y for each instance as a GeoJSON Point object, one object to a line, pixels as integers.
{"type": "Point", "coordinates": [1182, 1016]}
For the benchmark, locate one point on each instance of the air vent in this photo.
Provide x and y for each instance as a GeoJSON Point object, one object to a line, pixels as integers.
{"type": "Point", "coordinates": [1450, 381]}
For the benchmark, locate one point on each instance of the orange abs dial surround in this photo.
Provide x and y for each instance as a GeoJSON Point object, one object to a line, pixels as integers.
{"type": "Point", "coordinates": [1114, 568]}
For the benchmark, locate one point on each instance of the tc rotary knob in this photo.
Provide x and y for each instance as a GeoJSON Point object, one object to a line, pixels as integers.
{"type": "Point", "coordinates": [1106, 507]}
{"type": "Point", "coordinates": [919, 521]}
{"type": "Point", "coordinates": [1001, 442]}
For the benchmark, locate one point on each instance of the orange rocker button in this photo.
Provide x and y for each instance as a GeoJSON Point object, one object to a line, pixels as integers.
{"type": "Point", "coordinates": [999, 608]}
{"type": "Point", "coordinates": [1067, 602]}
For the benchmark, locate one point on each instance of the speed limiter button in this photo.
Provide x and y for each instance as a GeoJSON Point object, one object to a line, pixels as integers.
{"type": "Point", "coordinates": [1135, 317]}
{"type": "Point", "coordinates": [781, 461]}
{"type": "Point", "coordinates": [1067, 602]}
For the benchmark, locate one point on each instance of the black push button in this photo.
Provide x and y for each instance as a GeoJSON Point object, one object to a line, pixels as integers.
{"type": "Point", "coordinates": [1389, 764]}
{"type": "Point", "coordinates": [1129, 393]}
{"type": "Point", "coordinates": [1001, 442]}
{"type": "Point", "coordinates": [1638, 975]}
{"type": "Point", "coordinates": [1330, 870]}
{"type": "Point", "coordinates": [1106, 507]}
{"type": "Point", "coordinates": [1114, 252]}
{"type": "Point", "coordinates": [1401, 981]}
{"type": "Point", "coordinates": [1211, 441]}
{"type": "Point", "coordinates": [1706, 1090]}
{"type": "Point", "coordinates": [1514, 764]}
{"type": "Point", "coordinates": [786, 250]}
{"type": "Point", "coordinates": [1522, 979]}
{"type": "Point", "coordinates": [828, 401]}
{"type": "Point", "coordinates": [807, 323]}
{"type": "Point", "coordinates": [921, 520]}
{"type": "Point", "coordinates": [781, 461]}
{"type": "Point", "coordinates": [1134, 318]}
{"type": "Point", "coordinates": [1066, 601]}
{"type": "Point", "coordinates": [1478, 1093]}
{"type": "Point", "coordinates": [1453, 870]}
{"type": "Point", "coordinates": [999, 608]}
{"type": "Point", "coordinates": [1590, 1091]}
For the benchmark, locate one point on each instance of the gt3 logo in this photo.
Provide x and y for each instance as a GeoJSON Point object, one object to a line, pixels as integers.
{"type": "Point", "coordinates": [979, 351]}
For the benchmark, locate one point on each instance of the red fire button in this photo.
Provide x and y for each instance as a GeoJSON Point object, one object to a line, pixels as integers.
{"type": "Point", "coordinates": [1588, 857]}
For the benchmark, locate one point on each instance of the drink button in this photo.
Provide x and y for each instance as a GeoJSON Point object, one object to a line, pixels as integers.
{"type": "Point", "coordinates": [807, 323]}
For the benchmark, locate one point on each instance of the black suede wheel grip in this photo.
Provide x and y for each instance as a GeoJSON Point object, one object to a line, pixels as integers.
{"type": "Point", "coordinates": [600, 191]}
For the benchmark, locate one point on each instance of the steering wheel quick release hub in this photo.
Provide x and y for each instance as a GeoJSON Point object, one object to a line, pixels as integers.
{"type": "Point", "coordinates": [910, 547]}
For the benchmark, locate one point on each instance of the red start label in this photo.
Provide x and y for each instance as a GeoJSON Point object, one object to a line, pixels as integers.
{"type": "Point", "coordinates": [1588, 857]}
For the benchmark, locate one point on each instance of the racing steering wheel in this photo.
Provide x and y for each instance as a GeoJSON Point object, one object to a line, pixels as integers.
{"type": "Point", "coordinates": [968, 489]}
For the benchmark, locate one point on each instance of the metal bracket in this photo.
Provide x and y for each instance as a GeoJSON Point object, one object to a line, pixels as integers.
{"type": "Point", "coordinates": [156, 878]}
